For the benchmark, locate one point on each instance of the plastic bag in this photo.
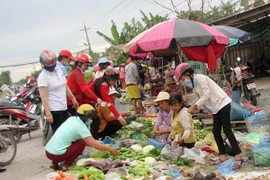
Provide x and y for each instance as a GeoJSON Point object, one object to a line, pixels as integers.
{"type": "Point", "coordinates": [238, 112]}
{"type": "Point", "coordinates": [171, 152]}
{"type": "Point", "coordinates": [209, 140]}
{"type": "Point", "coordinates": [252, 138]}
{"type": "Point", "coordinates": [225, 168]}
{"type": "Point", "coordinates": [120, 171]}
{"type": "Point", "coordinates": [239, 136]}
{"type": "Point", "coordinates": [112, 176]}
{"type": "Point", "coordinates": [108, 140]}
{"type": "Point", "coordinates": [247, 105]}
{"type": "Point", "coordinates": [194, 154]}
{"type": "Point", "coordinates": [258, 115]}
{"type": "Point", "coordinates": [172, 172]}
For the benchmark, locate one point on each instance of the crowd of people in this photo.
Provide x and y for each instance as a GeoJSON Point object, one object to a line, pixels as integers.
{"type": "Point", "coordinates": [71, 105]}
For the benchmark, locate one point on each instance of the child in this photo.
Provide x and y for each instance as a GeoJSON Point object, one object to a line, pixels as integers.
{"type": "Point", "coordinates": [164, 115]}
{"type": "Point", "coordinates": [182, 124]}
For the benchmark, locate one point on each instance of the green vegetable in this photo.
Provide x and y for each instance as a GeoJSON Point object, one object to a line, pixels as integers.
{"type": "Point", "coordinates": [147, 149]}
{"type": "Point", "coordinates": [100, 154]}
{"type": "Point", "coordinates": [182, 162]}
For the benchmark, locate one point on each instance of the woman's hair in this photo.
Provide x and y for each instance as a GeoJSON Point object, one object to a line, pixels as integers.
{"type": "Point", "coordinates": [75, 65]}
{"type": "Point", "coordinates": [102, 66]}
{"type": "Point", "coordinates": [175, 98]}
{"type": "Point", "coordinates": [189, 71]}
{"type": "Point", "coordinates": [97, 84]}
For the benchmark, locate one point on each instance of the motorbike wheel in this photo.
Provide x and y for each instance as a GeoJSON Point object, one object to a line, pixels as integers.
{"type": "Point", "coordinates": [17, 135]}
{"type": "Point", "coordinates": [8, 155]}
{"type": "Point", "coordinates": [46, 128]}
{"type": "Point", "coordinates": [254, 100]}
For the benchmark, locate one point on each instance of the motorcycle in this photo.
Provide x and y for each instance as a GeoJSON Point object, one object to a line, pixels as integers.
{"type": "Point", "coordinates": [45, 127]}
{"type": "Point", "coordinates": [18, 120]}
{"type": "Point", "coordinates": [249, 86]}
{"type": "Point", "coordinates": [8, 146]}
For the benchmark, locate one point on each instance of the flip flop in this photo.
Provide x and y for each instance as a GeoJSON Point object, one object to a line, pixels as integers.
{"type": "Point", "coordinates": [236, 167]}
{"type": "Point", "coordinates": [66, 168]}
{"type": "Point", "coordinates": [55, 166]}
{"type": "Point", "coordinates": [217, 162]}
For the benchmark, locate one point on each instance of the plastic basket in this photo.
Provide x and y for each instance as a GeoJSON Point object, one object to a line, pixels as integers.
{"type": "Point", "coordinates": [258, 125]}
{"type": "Point", "coordinates": [261, 155]}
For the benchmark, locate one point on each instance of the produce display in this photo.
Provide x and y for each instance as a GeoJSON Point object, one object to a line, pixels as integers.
{"type": "Point", "coordinates": [125, 99]}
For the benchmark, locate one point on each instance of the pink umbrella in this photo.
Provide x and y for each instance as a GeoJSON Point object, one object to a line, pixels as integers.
{"type": "Point", "coordinates": [197, 40]}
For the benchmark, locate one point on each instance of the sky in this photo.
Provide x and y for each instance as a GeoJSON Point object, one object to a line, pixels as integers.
{"type": "Point", "coordinates": [30, 26]}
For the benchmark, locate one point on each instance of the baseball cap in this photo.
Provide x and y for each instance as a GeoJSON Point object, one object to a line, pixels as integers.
{"type": "Point", "coordinates": [66, 53]}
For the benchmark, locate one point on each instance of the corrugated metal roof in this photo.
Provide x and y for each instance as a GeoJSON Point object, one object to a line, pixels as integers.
{"type": "Point", "coordinates": [245, 17]}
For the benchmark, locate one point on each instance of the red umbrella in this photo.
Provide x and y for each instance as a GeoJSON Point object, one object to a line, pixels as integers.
{"type": "Point", "coordinates": [197, 40]}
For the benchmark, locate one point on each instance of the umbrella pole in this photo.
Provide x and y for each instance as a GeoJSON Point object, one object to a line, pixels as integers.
{"type": "Point", "coordinates": [178, 52]}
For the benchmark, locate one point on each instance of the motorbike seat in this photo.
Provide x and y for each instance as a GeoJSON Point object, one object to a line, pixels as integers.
{"type": "Point", "coordinates": [9, 105]}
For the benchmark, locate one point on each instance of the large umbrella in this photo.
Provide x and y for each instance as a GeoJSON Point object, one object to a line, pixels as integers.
{"type": "Point", "coordinates": [236, 35]}
{"type": "Point", "coordinates": [197, 40]}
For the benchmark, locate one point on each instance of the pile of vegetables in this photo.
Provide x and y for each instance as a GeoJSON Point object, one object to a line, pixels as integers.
{"type": "Point", "coordinates": [127, 132]}
{"type": "Point", "coordinates": [125, 99]}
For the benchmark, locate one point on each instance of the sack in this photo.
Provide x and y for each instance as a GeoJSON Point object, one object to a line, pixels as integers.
{"type": "Point", "coordinates": [171, 152]}
{"type": "Point", "coordinates": [238, 112]}
{"type": "Point", "coordinates": [194, 154]}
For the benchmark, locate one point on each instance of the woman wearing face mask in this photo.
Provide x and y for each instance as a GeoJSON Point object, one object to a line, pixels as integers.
{"type": "Point", "coordinates": [64, 59]}
{"type": "Point", "coordinates": [53, 90]}
{"type": "Point", "coordinates": [77, 84]}
{"type": "Point", "coordinates": [72, 136]}
{"type": "Point", "coordinates": [217, 101]}
{"type": "Point", "coordinates": [101, 87]}
{"type": "Point", "coordinates": [182, 124]}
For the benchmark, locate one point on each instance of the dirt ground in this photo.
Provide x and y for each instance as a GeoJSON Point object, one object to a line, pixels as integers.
{"type": "Point", "coordinates": [31, 163]}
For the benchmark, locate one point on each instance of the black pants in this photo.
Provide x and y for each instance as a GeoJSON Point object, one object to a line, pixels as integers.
{"type": "Point", "coordinates": [58, 118]}
{"type": "Point", "coordinates": [110, 129]}
{"type": "Point", "coordinates": [71, 110]}
{"type": "Point", "coordinates": [222, 119]}
{"type": "Point", "coordinates": [94, 127]}
{"type": "Point", "coordinates": [187, 145]}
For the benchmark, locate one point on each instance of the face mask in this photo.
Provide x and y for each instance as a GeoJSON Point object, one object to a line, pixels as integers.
{"type": "Point", "coordinates": [188, 83]}
{"type": "Point", "coordinates": [65, 64]}
{"type": "Point", "coordinates": [88, 123]}
{"type": "Point", "coordinates": [50, 68]}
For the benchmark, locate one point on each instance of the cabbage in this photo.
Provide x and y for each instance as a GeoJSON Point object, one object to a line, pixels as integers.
{"type": "Point", "coordinates": [150, 160]}
{"type": "Point", "coordinates": [147, 149]}
{"type": "Point", "coordinates": [136, 148]}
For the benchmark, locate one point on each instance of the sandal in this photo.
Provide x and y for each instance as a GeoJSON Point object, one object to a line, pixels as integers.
{"type": "Point", "coordinates": [66, 168]}
{"type": "Point", "coordinates": [55, 166]}
{"type": "Point", "coordinates": [236, 167]}
{"type": "Point", "coordinates": [217, 162]}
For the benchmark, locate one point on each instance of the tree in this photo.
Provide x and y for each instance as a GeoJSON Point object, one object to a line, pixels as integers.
{"type": "Point", "coordinates": [129, 31]}
{"type": "Point", "coordinates": [215, 12]}
{"type": "Point", "coordinates": [5, 78]}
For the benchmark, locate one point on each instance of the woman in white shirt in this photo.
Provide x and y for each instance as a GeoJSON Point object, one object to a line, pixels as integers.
{"type": "Point", "coordinates": [53, 90]}
{"type": "Point", "coordinates": [217, 101]}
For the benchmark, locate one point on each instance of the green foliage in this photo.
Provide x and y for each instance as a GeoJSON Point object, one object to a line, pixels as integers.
{"type": "Point", "coordinates": [88, 76]}
{"type": "Point", "coordinates": [5, 78]}
{"type": "Point", "coordinates": [130, 30]}
{"type": "Point", "coordinates": [95, 57]}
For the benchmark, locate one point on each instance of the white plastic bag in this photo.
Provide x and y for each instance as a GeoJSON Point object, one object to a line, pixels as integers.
{"type": "Point", "coordinates": [171, 152]}
{"type": "Point", "coordinates": [194, 154]}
